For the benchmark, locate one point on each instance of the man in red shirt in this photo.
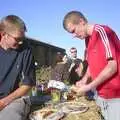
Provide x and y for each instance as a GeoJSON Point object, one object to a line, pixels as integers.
{"type": "Point", "coordinates": [103, 56]}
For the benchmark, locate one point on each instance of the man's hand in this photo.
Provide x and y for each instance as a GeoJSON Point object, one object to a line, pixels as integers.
{"type": "Point", "coordinates": [84, 88]}
{"type": "Point", "coordinates": [21, 91]}
{"type": "Point", "coordinates": [80, 83]}
{"type": "Point", "coordinates": [3, 104]}
{"type": "Point", "coordinates": [81, 90]}
{"type": "Point", "coordinates": [75, 89]}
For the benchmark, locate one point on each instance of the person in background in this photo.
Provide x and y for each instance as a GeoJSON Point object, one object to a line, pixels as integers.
{"type": "Point", "coordinates": [59, 78]}
{"type": "Point", "coordinates": [17, 74]}
{"type": "Point", "coordinates": [60, 70]}
{"type": "Point", "coordinates": [74, 64]}
{"type": "Point", "coordinates": [103, 57]}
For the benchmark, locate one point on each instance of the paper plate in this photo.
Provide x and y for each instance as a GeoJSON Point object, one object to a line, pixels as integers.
{"type": "Point", "coordinates": [41, 114]}
{"type": "Point", "coordinates": [72, 107]}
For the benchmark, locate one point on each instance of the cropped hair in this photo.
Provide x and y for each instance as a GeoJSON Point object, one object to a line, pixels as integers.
{"type": "Point", "coordinates": [11, 23]}
{"type": "Point", "coordinates": [73, 48]}
{"type": "Point", "coordinates": [73, 17]}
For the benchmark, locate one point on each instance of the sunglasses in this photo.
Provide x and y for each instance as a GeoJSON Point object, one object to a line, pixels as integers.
{"type": "Point", "coordinates": [17, 39]}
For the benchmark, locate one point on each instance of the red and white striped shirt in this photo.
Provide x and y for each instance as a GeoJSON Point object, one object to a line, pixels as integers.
{"type": "Point", "coordinates": [102, 46]}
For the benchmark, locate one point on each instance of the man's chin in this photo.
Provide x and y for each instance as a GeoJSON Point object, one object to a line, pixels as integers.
{"type": "Point", "coordinates": [82, 38]}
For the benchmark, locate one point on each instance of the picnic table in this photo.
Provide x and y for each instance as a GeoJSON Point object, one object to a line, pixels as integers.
{"type": "Point", "coordinates": [92, 113]}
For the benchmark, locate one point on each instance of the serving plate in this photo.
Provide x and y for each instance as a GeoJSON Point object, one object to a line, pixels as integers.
{"type": "Point", "coordinates": [47, 114]}
{"type": "Point", "coordinates": [72, 107]}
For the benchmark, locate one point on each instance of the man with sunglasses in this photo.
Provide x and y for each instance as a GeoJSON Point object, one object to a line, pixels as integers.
{"type": "Point", "coordinates": [17, 74]}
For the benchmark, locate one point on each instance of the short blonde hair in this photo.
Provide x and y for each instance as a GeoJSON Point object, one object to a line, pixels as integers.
{"type": "Point", "coordinates": [73, 17]}
{"type": "Point", "coordinates": [11, 23]}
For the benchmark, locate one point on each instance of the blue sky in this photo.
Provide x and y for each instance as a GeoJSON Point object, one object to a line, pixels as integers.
{"type": "Point", "coordinates": [44, 18]}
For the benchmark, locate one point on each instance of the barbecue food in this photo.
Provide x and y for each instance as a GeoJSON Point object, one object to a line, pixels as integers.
{"type": "Point", "coordinates": [41, 114]}
{"type": "Point", "coordinates": [47, 114]}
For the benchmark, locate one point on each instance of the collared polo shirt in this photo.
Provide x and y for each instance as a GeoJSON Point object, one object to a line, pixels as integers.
{"type": "Point", "coordinates": [16, 66]}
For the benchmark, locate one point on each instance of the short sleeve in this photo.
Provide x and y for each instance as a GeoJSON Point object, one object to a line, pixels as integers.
{"type": "Point", "coordinates": [28, 71]}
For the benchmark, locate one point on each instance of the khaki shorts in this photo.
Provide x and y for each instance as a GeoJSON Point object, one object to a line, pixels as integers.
{"type": "Point", "coordinates": [110, 108]}
{"type": "Point", "coordinates": [17, 110]}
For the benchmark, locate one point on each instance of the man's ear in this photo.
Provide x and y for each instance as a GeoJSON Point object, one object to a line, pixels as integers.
{"type": "Point", "coordinates": [2, 35]}
{"type": "Point", "coordinates": [81, 21]}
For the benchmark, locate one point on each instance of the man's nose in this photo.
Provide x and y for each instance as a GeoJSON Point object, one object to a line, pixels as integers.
{"type": "Point", "coordinates": [74, 35]}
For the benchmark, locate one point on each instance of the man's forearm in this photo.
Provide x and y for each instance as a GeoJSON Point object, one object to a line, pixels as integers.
{"type": "Point", "coordinates": [86, 76]}
{"type": "Point", "coordinates": [108, 72]}
{"type": "Point", "coordinates": [21, 91]}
